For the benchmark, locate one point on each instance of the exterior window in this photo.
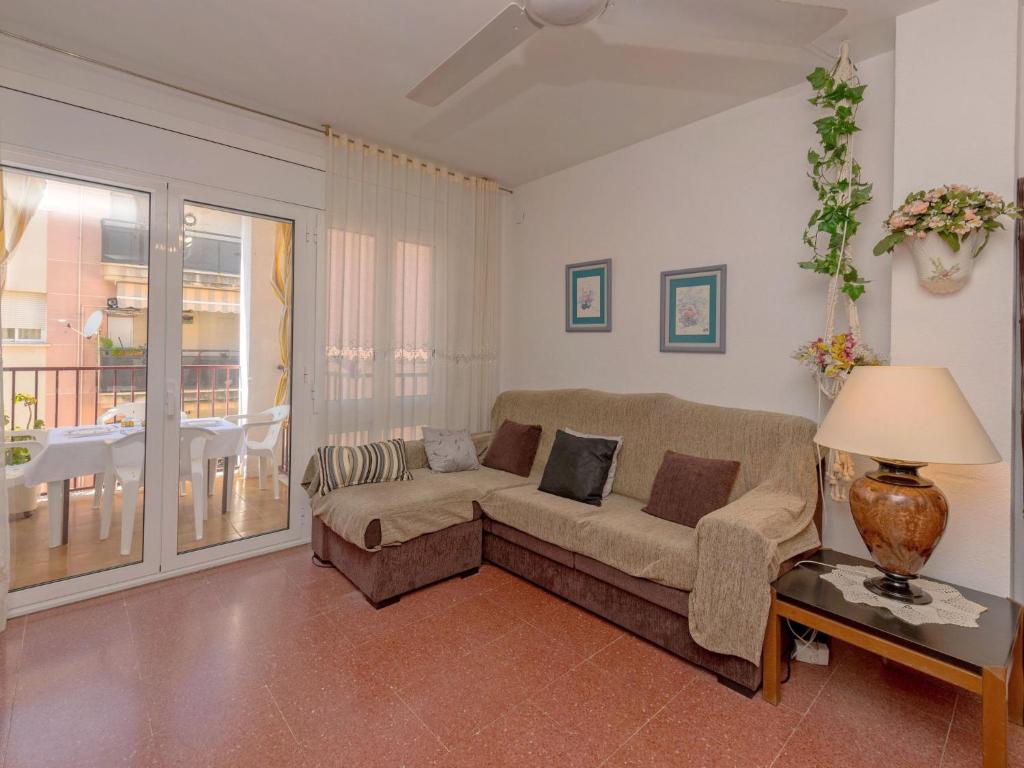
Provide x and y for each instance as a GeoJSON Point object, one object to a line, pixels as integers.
{"type": "Point", "coordinates": [24, 317]}
{"type": "Point", "coordinates": [217, 254]}
{"type": "Point", "coordinates": [351, 309]}
{"type": "Point", "coordinates": [124, 242]}
{"type": "Point", "coordinates": [412, 308]}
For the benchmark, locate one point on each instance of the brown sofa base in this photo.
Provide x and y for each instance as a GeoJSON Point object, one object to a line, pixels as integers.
{"type": "Point", "coordinates": [653, 611]}
{"type": "Point", "coordinates": [655, 623]}
{"type": "Point", "coordinates": [387, 574]}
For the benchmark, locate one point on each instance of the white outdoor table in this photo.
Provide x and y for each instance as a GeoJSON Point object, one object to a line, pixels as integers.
{"type": "Point", "coordinates": [81, 451]}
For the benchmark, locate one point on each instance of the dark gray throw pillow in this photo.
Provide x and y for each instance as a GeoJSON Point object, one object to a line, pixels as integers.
{"type": "Point", "coordinates": [578, 467]}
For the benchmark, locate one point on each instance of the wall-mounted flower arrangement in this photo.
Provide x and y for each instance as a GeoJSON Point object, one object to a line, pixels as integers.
{"type": "Point", "coordinates": [945, 229]}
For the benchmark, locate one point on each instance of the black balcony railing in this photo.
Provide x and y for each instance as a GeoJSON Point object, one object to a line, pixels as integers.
{"type": "Point", "coordinates": [67, 396]}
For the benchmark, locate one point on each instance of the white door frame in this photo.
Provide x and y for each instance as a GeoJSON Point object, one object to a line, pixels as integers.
{"type": "Point", "coordinates": [304, 262]}
{"type": "Point", "coordinates": [160, 558]}
{"type": "Point", "coordinates": [75, 588]}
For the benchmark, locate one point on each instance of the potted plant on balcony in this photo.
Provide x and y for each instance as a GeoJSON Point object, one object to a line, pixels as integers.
{"type": "Point", "coordinates": [22, 499]}
{"type": "Point", "coordinates": [945, 229]}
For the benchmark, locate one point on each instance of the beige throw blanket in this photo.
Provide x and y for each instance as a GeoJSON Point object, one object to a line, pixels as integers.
{"type": "Point", "coordinates": [739, 550]}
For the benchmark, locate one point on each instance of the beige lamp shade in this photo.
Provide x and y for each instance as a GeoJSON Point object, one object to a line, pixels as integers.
{"type": "Point", "coordinates": [906, 413]}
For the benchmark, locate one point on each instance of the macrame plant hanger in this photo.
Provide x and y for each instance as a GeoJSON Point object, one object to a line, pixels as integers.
{"type": "Point", "coordinates": [839, 465]}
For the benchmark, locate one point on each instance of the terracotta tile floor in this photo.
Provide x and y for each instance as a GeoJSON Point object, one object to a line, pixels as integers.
{"type": "Point", "coordinates": [274, 662]}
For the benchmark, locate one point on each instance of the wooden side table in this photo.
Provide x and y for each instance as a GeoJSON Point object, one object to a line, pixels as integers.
{"type": "Point", "coordinates": [987, 660]}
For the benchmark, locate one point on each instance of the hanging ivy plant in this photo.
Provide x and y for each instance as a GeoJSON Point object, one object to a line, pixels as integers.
{"type": "Point", "coordinates": [835, 176]}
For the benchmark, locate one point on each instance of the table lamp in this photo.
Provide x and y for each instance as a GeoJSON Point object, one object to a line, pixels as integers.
{"type": "Point", "coordinates": [903, 417]}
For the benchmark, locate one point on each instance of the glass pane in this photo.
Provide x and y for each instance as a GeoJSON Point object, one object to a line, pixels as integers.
{"type": "Point", "coordinates": [235, 367]}
{"type": "Point", "coordinates": [74, 320]}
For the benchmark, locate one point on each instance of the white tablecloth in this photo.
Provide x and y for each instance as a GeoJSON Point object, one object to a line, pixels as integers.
{"type": "Point", "coordinates": [70, 452]}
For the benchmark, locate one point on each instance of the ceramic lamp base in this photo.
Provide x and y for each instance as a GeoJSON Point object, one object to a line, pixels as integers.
{"type": "Point", "coordinates": [897, 588]}
{"type": "Point", "coordinates": [901, 517]}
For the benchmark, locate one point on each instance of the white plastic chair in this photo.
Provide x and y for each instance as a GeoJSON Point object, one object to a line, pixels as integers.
{"type": "Point", "coordinates": [132, 411]}
{"type": "Point", "coordinates": [34, 440]}
{"type": "Point", "coordinates": [193, 468]}
{"type": "Point", "coordinates": [264, 447]}
{"type": "Point", "coordinates": [126, 462]}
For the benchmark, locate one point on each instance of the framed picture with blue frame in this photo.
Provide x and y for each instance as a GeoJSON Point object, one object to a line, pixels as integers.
{"type": "Point", "coordinates": [693, 310]}
{"type": "Point", "coordinates": [588, 296]}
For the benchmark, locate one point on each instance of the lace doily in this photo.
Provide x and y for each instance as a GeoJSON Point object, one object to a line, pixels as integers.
{"type": "Point", "coordinates": [948, 606]}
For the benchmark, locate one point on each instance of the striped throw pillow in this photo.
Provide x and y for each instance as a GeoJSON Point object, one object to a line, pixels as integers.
{"type": "Point", "coordinates": [343, 465]}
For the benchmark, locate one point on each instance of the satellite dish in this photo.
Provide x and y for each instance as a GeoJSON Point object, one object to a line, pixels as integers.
{"type": "Point", "coordinates": [92, 324]}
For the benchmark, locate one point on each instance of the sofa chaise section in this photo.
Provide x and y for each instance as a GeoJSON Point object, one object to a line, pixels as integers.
{"type": "Point", "coordinates": [392, 538]}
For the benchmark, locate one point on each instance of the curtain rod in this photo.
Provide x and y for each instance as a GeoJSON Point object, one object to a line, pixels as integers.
{"type": "Point", "coordinates": [328, 131]}
{"type": "Point", "coordinates": [321, 129]}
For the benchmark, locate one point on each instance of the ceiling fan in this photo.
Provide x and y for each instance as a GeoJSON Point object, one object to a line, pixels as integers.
{"type": "Point", "coordinates": [779, 22]}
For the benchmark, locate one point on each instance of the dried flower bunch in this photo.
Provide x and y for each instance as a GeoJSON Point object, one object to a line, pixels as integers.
{"type": "Point", "coordinates": [836, 357]}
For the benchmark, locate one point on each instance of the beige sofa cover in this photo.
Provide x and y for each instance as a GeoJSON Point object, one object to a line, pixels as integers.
{"type": "Point", "coordinates": [735, 552]}
{"type": "Point", "coordinates": [727, 562]}
{"type": "Point", "coordinates": [618, 533]}
{"type": "Point", "coordinates": [388, 514]}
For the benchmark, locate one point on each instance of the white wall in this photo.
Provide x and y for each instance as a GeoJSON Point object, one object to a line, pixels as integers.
{"type": "Point", "coordinates": [1017, 477]}
{"type": "Point", "coordinates": [962, 128]}
{"type": "Point", "coordinates": [730, 189]}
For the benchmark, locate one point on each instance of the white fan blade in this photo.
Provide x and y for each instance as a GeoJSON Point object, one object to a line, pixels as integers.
{"type": "Point", "coordinates": [775, 22]}
{"type": "Point", "coordinates": [505, 31]}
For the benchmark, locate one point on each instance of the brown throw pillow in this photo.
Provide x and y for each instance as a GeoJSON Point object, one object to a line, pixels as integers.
{"type": "Point", "coordinates": [513, 448]}
{"type": "Point", "coordinates": [687, 487]}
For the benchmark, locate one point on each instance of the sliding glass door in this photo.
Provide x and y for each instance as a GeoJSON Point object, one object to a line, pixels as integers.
{"type": "Point", "coordinates": [236, 360]}
{"type": "Point", "coordinates": [151, 386]}
{"type": "Point", "coordinates": [78, 372]}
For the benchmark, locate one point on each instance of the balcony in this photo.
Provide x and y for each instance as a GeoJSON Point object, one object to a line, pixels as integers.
{"type": "Point", "coordinates": [70, 396]}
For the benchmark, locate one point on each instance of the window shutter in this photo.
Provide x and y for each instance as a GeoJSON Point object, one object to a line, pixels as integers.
{"type": "Point", "coordinates": [23, 310]}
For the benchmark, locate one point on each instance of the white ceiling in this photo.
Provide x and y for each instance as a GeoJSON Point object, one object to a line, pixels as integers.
{"type": "Point", "coordinates": [565, 96]}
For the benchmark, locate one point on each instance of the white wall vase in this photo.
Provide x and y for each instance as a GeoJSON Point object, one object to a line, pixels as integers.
{"type": "Point", "coordinates": [939, 269]}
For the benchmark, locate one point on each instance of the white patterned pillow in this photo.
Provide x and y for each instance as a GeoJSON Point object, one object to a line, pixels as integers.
{"type": "Point", "coordinates": [615, 460]}
{"type": "Point", "coordinates": [342, 465]}
{"type": "Point", "coordinates": [449, 450]}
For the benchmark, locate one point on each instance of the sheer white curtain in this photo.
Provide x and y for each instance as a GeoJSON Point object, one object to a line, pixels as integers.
{"type": "Point", "coordinates": [20, 196]}
{"type": "Point", "coordinates": [412, 329]}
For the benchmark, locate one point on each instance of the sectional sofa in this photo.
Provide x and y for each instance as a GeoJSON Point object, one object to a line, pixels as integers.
{"type": "Point", "coordinates": [701, 593]}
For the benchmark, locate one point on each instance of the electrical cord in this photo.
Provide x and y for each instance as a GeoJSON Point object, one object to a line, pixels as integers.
{"type": "Point", "coordinates": [814, 562]}
{"type": "Point", "coordinates": [799, 641]}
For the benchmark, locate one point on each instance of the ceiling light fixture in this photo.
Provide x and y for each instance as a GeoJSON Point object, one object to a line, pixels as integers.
{"type": "Point", "coordinates": [564, 13]}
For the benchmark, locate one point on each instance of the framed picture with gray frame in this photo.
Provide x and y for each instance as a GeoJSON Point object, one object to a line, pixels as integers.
{"type": "Point", "coordinates": [588, 296]}
{"type": "Point", "coordinates": [693, 310]}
